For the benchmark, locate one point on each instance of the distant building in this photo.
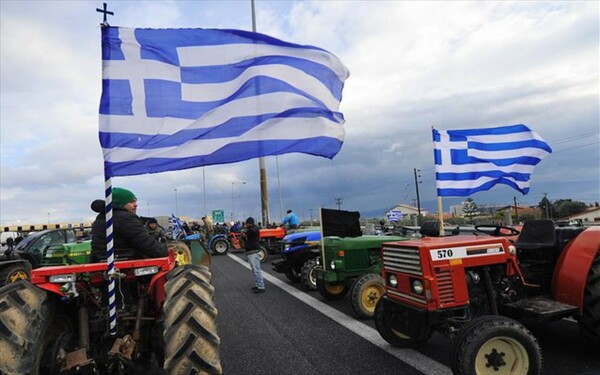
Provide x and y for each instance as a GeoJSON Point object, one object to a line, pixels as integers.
{"type": "Point", "coordinates": [592, 215]}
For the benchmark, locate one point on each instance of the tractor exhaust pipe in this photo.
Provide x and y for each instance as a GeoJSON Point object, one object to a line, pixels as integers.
{"type": "Point", "coordinates": [84, 329]}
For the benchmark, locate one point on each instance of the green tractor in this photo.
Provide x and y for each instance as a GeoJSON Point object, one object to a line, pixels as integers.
{"type": "Point", "coordinates": [350, 262]}
{"type": "Point", "coordinates": [353, 264]}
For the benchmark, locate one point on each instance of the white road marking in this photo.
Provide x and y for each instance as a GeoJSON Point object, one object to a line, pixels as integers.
{"type": "Point", "coordinates": [411, 357]}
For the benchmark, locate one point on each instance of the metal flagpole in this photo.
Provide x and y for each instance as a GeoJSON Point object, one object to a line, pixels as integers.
{"type": "Point", "coordinates": [204, 190]}
{"type": "Point", "coordinates": [264, 191]}
{"type": "Point", "coordinates": [108, 218]}
{"type": "Point", "coordinates": [439, 198]}
{"type": "Point", "coordinates": [110, 259]}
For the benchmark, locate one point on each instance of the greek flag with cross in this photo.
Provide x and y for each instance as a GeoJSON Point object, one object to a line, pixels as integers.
{"type": "Point", "coordinates": [181, 98]}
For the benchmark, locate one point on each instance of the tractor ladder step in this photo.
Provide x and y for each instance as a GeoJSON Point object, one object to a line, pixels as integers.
{"type": "Point", "coordinates": [540, 308]}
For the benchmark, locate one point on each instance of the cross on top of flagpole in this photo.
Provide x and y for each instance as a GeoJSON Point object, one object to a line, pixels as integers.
{"type": "Point", "coordinates": [105, 12]}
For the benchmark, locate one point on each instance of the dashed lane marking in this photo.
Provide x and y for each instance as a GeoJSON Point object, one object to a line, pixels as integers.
{"type": "Point", "coordinates": [411, 357]}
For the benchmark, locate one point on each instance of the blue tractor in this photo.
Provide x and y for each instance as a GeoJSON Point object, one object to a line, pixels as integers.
{"type": "Point", "coordinates": [299, 251]}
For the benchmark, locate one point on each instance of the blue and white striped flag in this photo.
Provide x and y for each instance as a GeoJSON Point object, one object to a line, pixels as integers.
{"type": "Point", "coordinates": [176, 226]}
{"type": "Point", "coordinates": [472, 160]}
{"type": "Point", "coordinates": [182, 98]}
{"type": "Point", "coordinates": [394, 215]}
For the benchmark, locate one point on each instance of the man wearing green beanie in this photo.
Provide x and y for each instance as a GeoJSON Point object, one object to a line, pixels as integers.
{"type": "Point", "coordinates": [131, 238]}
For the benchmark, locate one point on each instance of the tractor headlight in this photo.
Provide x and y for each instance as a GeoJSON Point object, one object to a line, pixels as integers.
{"type": "Point", "coordinates": [332, 264]}
{"type": "Point", "coordinates": [393, 281]}
{"type": "Point", "coordinates": [145, 271]}
{"type": "Point", "coordinates": [417, 287]}
{"type": "Point", "coordinates": [512, 250]}
{"type": "Point", "coordinates": [69, 278]}
{"type": "Point", "coordinates": [318, 260]}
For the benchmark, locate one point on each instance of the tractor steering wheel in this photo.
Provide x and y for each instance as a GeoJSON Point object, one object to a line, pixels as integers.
{"type": "Point", "coordinates": [496, 230]}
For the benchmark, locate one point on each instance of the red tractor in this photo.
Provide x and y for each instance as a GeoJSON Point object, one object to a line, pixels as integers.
{"type": "Point", "coordinates": [480, 289]}
{"type": "Point", "coordinates": [59, 322]}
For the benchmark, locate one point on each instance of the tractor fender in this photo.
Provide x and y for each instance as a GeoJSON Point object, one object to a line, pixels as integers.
{"type": "Point", "coordinates": [5, 263]}
{"type": "Point", "coordinates": [573, 266]}
{"type": "Point", "coordinates": [214, 238]}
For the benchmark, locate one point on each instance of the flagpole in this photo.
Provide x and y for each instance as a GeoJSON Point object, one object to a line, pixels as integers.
{"type": "Point", "coordinates": [264, 191]}
{"type": "Point", "coordinates": [110, 259]}
{"type": "Point", "coordinates": [439, 198]}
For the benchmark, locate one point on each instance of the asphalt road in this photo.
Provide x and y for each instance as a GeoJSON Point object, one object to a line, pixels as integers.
{"type": "Point", "coordinates": [289, 331]}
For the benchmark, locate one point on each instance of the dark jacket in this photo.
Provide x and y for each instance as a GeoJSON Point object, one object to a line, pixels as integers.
{"type": "Point", "coordinates": [131, 238]}
{"type": "Point", "coordinates": [252, 244]}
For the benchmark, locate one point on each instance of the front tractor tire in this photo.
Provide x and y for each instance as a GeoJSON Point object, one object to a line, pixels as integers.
{"type": "Point", "coordinates": [220, 246]}
{"type": "Point", "coordinates": [263, 254]}
{"type": "Point", "coordinates": [191, 342]}
{"type": "Point", "coordinates": [495, 345]}
{"type": "Point", "coordinates": [589, 322]}
{"type": "Point", "coordinates": [331, 291]}
{"type": "Point", "coordinates": [385, 316]}
{"type": "Point", "coordinates": [309, 275]}
{"type": "Point", "coordinates": [365, 292]}
{"type": "Point", "coordinates": [31, 330]}
{"type": "Point", "coordinates": [14, 272]}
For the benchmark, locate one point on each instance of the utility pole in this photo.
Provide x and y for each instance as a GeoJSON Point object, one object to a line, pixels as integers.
{"type": "Point", "coordinates": [339, 201]}
{"type": "Point", "coordinates": [546, 204]}
{"type": "Point", "coordinates": [516, 212]}
{"type": "Point", "coordinates": [417, 182]}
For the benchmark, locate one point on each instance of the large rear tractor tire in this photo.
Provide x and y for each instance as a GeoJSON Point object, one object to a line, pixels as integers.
{"type": "Point", "coordinates": [309, 275]}
{"type": "Point", "coordinates": [30, 330]}
{"type": "Point", "coordinates": [14, 272]}
{"type": "Point", "coordinates": [191, 342]}
{"type": "Point", "coordinates": [384, 318]}
{"type": "Point", "coordinates": [331, 291]}
{"type": "Point", "coordinates": [220, 246]}
{"type": "Point", "coordinates": [496, 345]}
{"type": "Point", "coordinates": [590, 319]}
{"type": "Point", "coordinates": [365, 292]}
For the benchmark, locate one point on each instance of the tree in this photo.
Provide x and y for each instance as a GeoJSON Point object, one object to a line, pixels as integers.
{"type": "Point", "coordinates": [470, 209]}
{"type": "Point", "coordinates": [567, 207]}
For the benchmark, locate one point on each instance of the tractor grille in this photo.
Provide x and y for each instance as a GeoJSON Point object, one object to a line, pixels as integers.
{"type": "Point", "coordinates": [446, 292]}
{"type": "Point", "coordinates": [403, 260]}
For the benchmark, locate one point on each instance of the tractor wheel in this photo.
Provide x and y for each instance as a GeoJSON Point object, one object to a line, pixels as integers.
{"type": "Point", "coordinates": [220, 246]}
{"type": "Point", "coordinates": [309, 276]}
{"type": "Point", "coordinates": [365, 292]}
{"type": "Point", "coordinates": [496, 345]}
{"type": "Point", "coordinates": [191, 342]}
{"type": "Point", "coordinates": [331, 291]}
{"type": "Point", "coordinates": [183, 255]}
{"type": "Point", "coordinates": [31, 330]}
{"type": "Point", "coordinates": [263, 254]}
{"type": "Point", "coordinates": [383, 318]}
{"type": "Point", "coordinates": [293, 275]}
{"type": "Point", "coordinates": [15, 272]}
{"type": "Point", "coordinates": [590, 319]}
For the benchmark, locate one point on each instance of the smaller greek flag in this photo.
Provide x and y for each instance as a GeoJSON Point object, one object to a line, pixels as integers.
{"type": "Point", "coordinates": [176, 226]}
{"type": "Point", "coordinates": [395, 215]}
{"type": "Point", "coordinates": [472, 160]}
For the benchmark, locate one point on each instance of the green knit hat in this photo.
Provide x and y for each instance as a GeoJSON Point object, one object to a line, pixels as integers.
{"type": "Point", "coordinates": [120, 197]}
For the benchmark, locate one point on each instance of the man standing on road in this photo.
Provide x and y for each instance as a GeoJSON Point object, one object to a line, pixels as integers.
{"type": "Point", "coordinates": [291, 220]}
{"type": "Point", "coordinates": [252, 250]}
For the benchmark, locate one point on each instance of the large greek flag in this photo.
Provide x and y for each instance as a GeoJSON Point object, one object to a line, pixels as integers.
{"type": "Point", "coordinates": [472, 160]}
{"type": "Point", "coordinates": [182, 98]}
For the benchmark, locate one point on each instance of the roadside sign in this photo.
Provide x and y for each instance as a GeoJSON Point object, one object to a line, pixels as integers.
{"type": "Point", "coordinates": [218, 216]}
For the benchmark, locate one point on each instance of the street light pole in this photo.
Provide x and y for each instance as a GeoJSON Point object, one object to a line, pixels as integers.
{"type": "Point", "coordinates": [233, 198]}
{"type": "Point", "coordinates": [417, 182]}
{"type": "Point", "coordinates": [176, 207]}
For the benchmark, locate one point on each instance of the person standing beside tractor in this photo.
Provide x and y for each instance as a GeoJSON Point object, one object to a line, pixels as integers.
{"type": "Point", "coordinates": [131, 238]}
{"type": "Point", "coordinates": [252, 250]}
{"type": "Point", "coordinates": [291, 220]}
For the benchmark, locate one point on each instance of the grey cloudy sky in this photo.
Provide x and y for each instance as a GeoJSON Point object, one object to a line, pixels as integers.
{"type": "Point", "coordinates": [413, 65]}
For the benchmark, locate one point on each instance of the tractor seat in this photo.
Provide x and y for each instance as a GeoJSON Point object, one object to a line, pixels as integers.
{"type": "Point", "coordinates": [430, 229]}
{"type": "Point", "coordinates": [537, 234]}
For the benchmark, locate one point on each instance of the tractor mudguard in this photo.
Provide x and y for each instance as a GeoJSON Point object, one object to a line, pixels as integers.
{"type": "Point", "coordinates": [573, 266]}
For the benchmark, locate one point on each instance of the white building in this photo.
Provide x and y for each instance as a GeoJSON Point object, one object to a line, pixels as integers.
{"type": "Point", "coordinates": [590, 216]}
